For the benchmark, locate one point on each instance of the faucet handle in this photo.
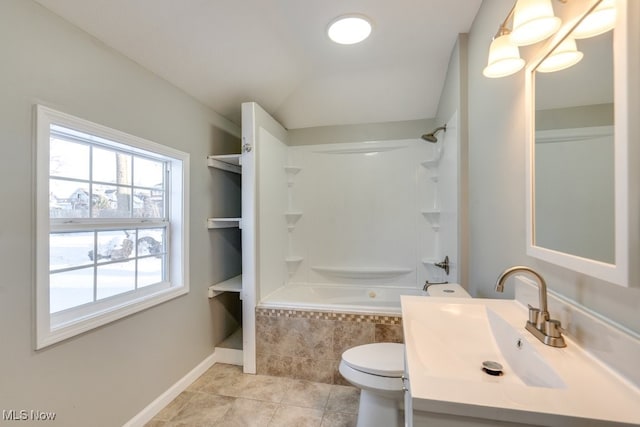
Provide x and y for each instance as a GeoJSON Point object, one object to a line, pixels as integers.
{"type": "Point", "coordinates": [534, 314]}
{"type": "Point", "coordinates": [553, 328]}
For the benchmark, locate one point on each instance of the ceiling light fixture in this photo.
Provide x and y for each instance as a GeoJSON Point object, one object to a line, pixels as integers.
{"type": "Point", "coordinates": [599, 21]}
{"type": "Point", "coordinates": [349, 29]}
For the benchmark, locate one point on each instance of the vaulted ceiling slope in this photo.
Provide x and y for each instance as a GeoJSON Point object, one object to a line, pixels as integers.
{"type": "Point", "coordinates": [276, 52]}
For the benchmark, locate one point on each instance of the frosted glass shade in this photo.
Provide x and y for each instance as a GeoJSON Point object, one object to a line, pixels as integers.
{"type": "Point", "coordinates": [563, 56]}
{"type": "Point", "coordinates": [349, 29]}
{"type": "Point", "coordinates": [533, 21]}
{"type": "Point", "coordinates": [504, 58]}
{"type": "Point", "coordinates": [600, 20]}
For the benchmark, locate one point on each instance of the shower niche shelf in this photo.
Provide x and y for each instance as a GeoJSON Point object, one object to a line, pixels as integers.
{"type": "Point", "coordinates": [213, 223]}
{"type": "Point", "coordinates": [293, 262]}
{"type": "Point", "coordinates": [228, 162]}
{"type": "Point", "coordinates": [230, 285]}
{"type": "Point", "coordinates": [431, 163]}
{"type": "Point", "coordinates": [292, 218]}
{"type": "Point", "coordinates": [433, 216]}
{"type": "Point", "coordinates": [291, 171]}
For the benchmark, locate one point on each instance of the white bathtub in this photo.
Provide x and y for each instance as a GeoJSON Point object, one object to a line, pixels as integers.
{"type": "Point", "coordinates": [338, 298]}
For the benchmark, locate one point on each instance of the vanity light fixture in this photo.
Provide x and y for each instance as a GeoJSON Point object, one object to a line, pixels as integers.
{"type": "Point", "coordinates": [565, 55]}
{"type": "Point", "coordinates": [599, 21]}
{"type": "Point", "coordinates": [349, 29]}
{"type": "Point", "coordinates": [533, 21]}
{"type": "Point", "coordinates": [504, 56]}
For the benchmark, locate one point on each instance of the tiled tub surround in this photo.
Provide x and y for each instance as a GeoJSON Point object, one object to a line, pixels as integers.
{"type": "Point", "coordinates": [308, 345]}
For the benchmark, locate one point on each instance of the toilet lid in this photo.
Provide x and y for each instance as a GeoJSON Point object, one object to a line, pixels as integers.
{"type": "Point", "coordinates": [384, 359]}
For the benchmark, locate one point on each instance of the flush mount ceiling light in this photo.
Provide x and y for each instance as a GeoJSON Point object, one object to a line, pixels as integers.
{"type": "Point", "coordinates": [563, 56]}
{"type": "Point", "coordinates": [349, 29]}
{"type": "Point", "coordinates": [600, 20]}
{"type": "Point", "coordinates": [533, 21]}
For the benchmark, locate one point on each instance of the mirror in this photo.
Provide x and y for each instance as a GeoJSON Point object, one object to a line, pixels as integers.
{"type": "Point", "coordinates": [577, 214]}
{"type": "Point", "coordinates": [574, 147]}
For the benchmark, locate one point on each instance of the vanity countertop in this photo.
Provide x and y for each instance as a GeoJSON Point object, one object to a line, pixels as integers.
{"type": "Point", "coordinates": [447, 339]}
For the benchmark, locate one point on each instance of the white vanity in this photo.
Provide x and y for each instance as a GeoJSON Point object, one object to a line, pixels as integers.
{"type": "Point", "coordinates": [447, 341]}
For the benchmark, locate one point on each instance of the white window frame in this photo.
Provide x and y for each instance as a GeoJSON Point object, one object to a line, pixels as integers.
{"type": "Point", "coordinates": [53, 328]}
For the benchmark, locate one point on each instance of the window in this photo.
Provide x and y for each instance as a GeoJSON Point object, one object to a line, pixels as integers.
{"type": "Point", "coordinates": [111, 230]}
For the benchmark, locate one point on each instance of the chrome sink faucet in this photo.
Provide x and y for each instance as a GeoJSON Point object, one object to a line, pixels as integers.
{"type": "Point", "coordinates": [539, 324]}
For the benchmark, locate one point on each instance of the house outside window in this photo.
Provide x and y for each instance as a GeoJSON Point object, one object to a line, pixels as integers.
{"type": "Point", "coordinates": [112, 234]}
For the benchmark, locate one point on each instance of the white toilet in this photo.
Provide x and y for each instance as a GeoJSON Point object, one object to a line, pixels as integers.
{"type": "Point", "coordinates": [377, 370]}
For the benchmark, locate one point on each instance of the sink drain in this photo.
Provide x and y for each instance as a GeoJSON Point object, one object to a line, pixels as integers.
{"type": "Point", "coordinates": [492, 368]}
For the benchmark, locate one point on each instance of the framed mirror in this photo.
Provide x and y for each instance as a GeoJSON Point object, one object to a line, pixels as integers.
{"type": "Point", "coordinates": [578, 151]}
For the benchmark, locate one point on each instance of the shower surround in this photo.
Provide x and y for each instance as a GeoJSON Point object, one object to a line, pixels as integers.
{"type": "Point", "coordinates": [356, 225]}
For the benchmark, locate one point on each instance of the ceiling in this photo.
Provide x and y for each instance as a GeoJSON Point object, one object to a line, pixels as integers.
{"type": "Point", "coordinates": [276, 52]}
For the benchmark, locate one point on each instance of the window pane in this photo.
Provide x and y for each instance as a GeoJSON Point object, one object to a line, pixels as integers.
{"type": "Point", "coordinates": [148, 203]}
{"type": "Point", "coordinates": [70, 250]}
{"type": "Point", "coordinates": [151, 241]}
{"type": "Point", "coordinates": [70, 289]}
{"type": "Point", "coordinates": [147, 173]}
{"type": "Point", "coordinates": [116, 278]}
{"type": "Point", "coordinates": [68, 199]}
{"type": "Point", "coordinates": [111, 166]}
{"type": "Point", "coordinates": [150, 271]}
{"type": "Point", "coordinates": [68, 159]}
{"type": "Point", "coordinates": [110, 201]}
{"type": "Point", "coordinates": [115, 245]}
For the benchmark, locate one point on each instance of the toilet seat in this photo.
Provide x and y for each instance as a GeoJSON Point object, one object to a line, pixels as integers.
{"type": "Point", "coordinates": [381, 359]}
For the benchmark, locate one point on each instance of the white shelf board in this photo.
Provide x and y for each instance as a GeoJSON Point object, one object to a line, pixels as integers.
{"type": "Point", "coordinates": [231, 285]}
{"type": "Point", "coordinates": [224, 223]}
{"type": "Point", "coordinates": [228, 162]}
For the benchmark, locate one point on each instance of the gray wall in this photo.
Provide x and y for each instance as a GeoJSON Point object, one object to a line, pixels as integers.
{"type": "Point", "coordinates": [105, 376]}
{"type": "Point", "coordinates": [497, 185]}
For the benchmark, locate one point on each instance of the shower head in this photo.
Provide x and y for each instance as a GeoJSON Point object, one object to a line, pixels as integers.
{"type": "Point", "coordinates": [431, 137]}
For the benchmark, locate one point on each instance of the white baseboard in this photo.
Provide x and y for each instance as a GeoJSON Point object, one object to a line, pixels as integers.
{"type": "Point", "coordinates": [228, 355]}
{"type": "Point", "coordinates": [165, 398]}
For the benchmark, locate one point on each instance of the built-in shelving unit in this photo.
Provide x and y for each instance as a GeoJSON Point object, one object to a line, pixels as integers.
{"type": "Point", "coordinates": [228, 162]}
{"type": "Point", "coordinates": [231, 285]}
{"type": "Point", "coordinates": [230, 349]}
{"type": "Point", "coordinates": [224, 223]}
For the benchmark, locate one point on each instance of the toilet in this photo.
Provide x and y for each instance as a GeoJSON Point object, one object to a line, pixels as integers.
{"type": "Point", "coordinates": [377, 370]}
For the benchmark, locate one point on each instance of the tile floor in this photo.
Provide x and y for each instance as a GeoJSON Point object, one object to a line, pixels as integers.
{"type": "Point", "coordinates": [224, 396]}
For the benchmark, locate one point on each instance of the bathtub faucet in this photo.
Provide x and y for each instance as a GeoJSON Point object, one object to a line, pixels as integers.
{"type": "Point", "coordinates": [539, 324]}
{"type": "Point", "coordinates": [427, 284]}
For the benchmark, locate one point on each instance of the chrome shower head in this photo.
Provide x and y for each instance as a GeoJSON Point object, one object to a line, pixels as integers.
{"type": "Point", "coordinates": [431, 137]}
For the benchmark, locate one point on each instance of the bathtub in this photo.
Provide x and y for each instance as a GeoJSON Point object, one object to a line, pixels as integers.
{"type": "Point", "coordinates": [302, 330]}
{"type": "Point", "coordinates": [339, 298]}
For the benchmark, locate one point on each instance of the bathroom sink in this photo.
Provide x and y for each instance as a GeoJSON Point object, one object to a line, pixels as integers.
{"type": "Point", "coordinates": [448, 339]}
{"type": "Point", "coordinates": [470, 334]}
